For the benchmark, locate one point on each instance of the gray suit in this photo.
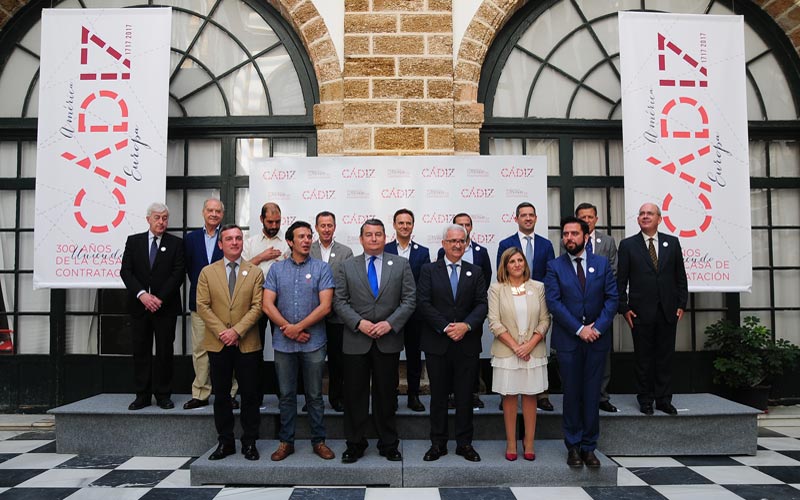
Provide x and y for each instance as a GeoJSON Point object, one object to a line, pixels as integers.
{"type": "Point", "coordinates": [367, 358]}
{"type": "Point", "coordinates": [333, 327]}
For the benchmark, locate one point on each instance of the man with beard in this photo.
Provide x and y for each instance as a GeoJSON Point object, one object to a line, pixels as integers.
{"type": "Point", "coordinates": [581, 293]}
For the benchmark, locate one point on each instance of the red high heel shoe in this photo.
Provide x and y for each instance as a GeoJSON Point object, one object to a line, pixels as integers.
{"type": "Point", "coordinates": [529, 456]}
{"type": "Point", "coordinates": [511, 457]}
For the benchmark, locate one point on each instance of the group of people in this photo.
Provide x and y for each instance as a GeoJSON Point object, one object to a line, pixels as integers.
{"type": "Point", "coordinates": [360, 312]}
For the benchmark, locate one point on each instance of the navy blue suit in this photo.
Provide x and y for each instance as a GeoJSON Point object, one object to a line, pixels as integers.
{"type": "Point", "coordinates": [581, 363]}
{"type": "Point", "coordinates": [480, 257]}
{"type": "Point", "coordinates": [417, 257]}
{"type": "Point", "coordinates": [542, 253]}
{"type": "Point", "coordinates": [194, 251]}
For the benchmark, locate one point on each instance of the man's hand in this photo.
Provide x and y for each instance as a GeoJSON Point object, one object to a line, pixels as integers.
{"type": "Point", "coordinates": [679, 314]}
{"type": "Point", "coordinates": [630, 315]}
{"type": "Point", "coordinates": [380, 329]}
{"type": "Point", "coordinates": [150, 302]}
{"type": "Point", "coordinates": [456, 331]}
{"type": "Point", "coordinates": [365, 326]}
{"type": "Point", "coordinates": [229, 337]}
{"type": "Point", "coordinates": [269, 254]}
{"type": "Point", "coordinates": [295, 333]}
{"type": "Point", "coordinates": [588, 333]}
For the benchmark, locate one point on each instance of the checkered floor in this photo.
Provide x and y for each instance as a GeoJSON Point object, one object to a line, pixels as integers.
{"type": "Point", "coordinates": [31, 469]}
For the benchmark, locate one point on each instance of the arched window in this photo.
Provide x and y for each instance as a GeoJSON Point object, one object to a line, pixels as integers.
{"type": "Point", "coordinates": [551, 86]}
{"type": "Point", "coordinates": [241, 88]}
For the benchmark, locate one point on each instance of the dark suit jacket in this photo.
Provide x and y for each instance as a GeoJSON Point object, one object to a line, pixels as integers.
{"type": "Point", "coordinates": [642, 287]}
{"type": "Point", "coordinates": [417, 257]}
{"type": "Point", "coordinates": [480, 257]}
{"type": "Point", "coordinates": [542, 253]}
{"type": "Point", "coordinates": [194, 249]}
{"type": "Point", "coordinates": [437, 308]}
{"type": "Point", "coordinates": [339, 254]}
{"type": "Point", "coordinates": [353, 301]}
{"type": "Point", "coordinates": [572, 307]}
{"type": "Point", "coordinates": [164, 280]}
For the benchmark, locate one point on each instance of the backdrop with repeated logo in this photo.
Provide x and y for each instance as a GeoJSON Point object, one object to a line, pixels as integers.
{"type": "Point", "coordinates": [684, 121]}
{"type": "Point", "coordinates": [102, 139]}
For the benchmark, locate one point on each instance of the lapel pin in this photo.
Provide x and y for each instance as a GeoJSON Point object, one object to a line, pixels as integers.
{"type": "Point", "coordinates": [591, 269]}
{"type": "Point", "coordinates": [308, 276]}
{"type": "Point", "coordinates": [163, 249]}
{"type": "Point", "coordinates": [469, 273]}
{"type": "Point", "coordinates": [477, 248]}
{"type": "Point", "coordinates": [389, 262]}
{"type": "Point", "coordinates": [244, 273]}
{"type": "Point", "coordinates": [416, 246]}
{"type": "Point", "coordinates": [598, 240]}
{"type": "Point", "coordinates": [333, 254]}
{"type": "Point", "coordinates": [665, 244]}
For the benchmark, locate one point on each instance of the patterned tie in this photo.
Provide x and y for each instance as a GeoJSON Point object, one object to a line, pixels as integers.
{"type": "Point", "coordinates": [579, 270]}
{"type": "Point", "coordinates": [529, 252]}
{"type": "Point", "coordinates": [653, 255]}
{"type": "Point", "coordinates": [153, 251]}
{"type": "Point", "coordinates": [589, 246]}
{"type": "Point", "coordinates": [232, 277]}
{"type": "Point", "coordinates": [454, 278]}
{"type": "Point", "coordinates": [372, 276]}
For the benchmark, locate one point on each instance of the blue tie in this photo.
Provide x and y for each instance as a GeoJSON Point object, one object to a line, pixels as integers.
{"type": "Point", "coordinates": [589, 247]}
{"type": "Point", "coordinates": [153, 251]}
{"type": "Point", "coordinates": [529, 252]}
{"type": "Point", "coordinates": [372, 276]}
{"type": "Point", "coordinates": [454, 278]}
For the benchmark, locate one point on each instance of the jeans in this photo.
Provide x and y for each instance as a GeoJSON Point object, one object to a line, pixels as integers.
{"type": "Point", "coordinates": [286, 367]}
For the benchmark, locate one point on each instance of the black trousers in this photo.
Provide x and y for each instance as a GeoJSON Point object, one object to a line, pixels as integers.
{"type": "Point", "coordinates": [653, 346]}
{"type": "Point", "coordinates": [153, 374]}
{"type": "Point", "coordinates": [460, 370]}
{"type": "Point", "coordinates": [335, 362]}
{"type": "Point", "coordinates": [223, 364]}
{"type": "Point", "coordinates": [381, 369]}
{"type": "Point", "coordinates": [411, 334]}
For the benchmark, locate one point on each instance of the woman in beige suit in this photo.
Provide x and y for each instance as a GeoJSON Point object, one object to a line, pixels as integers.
{"type": "Point", "coordinates": [519, 320]}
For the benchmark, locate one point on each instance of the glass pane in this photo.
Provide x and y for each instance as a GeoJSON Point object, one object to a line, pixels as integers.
{"type": "Point", "coordinates": [709, 301]}
{"type": "Point", "coordinates": [290, 147]}
{"type": "Point", "coordinates": [189, 78]}
{"type": "Point", "coordinates": [33, 335]}
{"type": "Point", "coordinates": [194, 205]}
{"type": "Point", "coordinates": [785, 248]}
{"type": "Point", "coordinates": [785, 159]}
{"type": "Point", "coordinates": [81, 333]}
{"type": "Point", "coordinates": [760, 247]}
{"type": "Point", "coordinates": [550, 95]}
{"type": "Point", "coordinates": [8, 159]}
{"type": "Point", "coordinates": [774, 89]}
{"type": "Point", "coordinates": [786, 207]}
{"type": "Point", "coordinates": [786, 286]}
{"type": "Point", "coordinates": [81, 300]}
{"type": "Point", "coordinates": [217, 50]}
{"type": "Point", "coordinates": [7, 241]}
{"type": "Point", "coordinates": [175, 158]}
{"type": "Point", "coordinates": [617, 217]}
{"type": "Point", "coordinates": [505, 146]}
{"type": "Point", "coordinates": [547, 148]}
{"type": "Point", "coordinates": [26, 250]}
{"type": "Point", "coordinates": [208, 102]}
{"type": "Point", "coordinates": [15, 81]}
{"type": "Point", "coordinates": [703, 319]}
{"type": "Point", "coordinates": [249, 152]}
{"type": "Point", "coordinates": [615, 158]}
{"type": "Point", "coordinates": [184, 26]}
{"type": "Point", "coordinates": [758, 207]}
{"type": "Point", "coordinates": [205, 157]}
{"type": "Point", "coordinates": [623, 342]}
{"type": "Point", "coordinates": [8, 209]}
{"type": "Point", "coordinates": [678, 6]}
{"type": "Point", "coordinates": [758, 159]}
{"type": "Point", "coordinates": [553, 211]}
{"type": "Point", "coordinates": [29, 159]}
{"type": "Point", "coordinates": [760, 291]}
{"type": "Point", "coordinates": [7, 287]}
{"type": "Point", "coordinates": [27, 210]}
{"type": "Point", "coordinates": [250, 28]}
{"type": "Point", "coordinates": [786, 326]}
{"type": "Point", "coordinates": [683, 335]}
{"type": "Point", "coordinates": [31, 300]}
{"type": "Point", "coordinates": [513, 85]}
{"type": "Point", "coordinates": [243, 207]}
{"type": "Point", "coordinates": [588, 157]}
{"type": "Point", "coordinates": [106, 4]}
{"type": "Point", "coordinates": [283, 85]}
{"type": "Point", "coordinates": [245, 92]}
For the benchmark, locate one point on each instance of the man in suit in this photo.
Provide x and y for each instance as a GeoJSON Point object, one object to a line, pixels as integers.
{"type": "Point", "coordinates": [375, 296]}
{"type": "Point", "coordinates": [229, 301]}
{"type": "Point", "coordinates": [201, 249]}
{"type": "Point", "coordinates": [417, 256]}
{"type": "Point", "coordinates": [153, 271]}
{"type": "Point", "coordinates": [653, 296]}
{"type": "Point", "coordinates": [452, 303]}
{"type": "Point", "coordinates": [298, 293]}
{"type": "Point", "coordinates": [334, 253]}
{"type": "Point", "coordinates": [601, 244]}
{"type": "Point", "coordinates": [478, 255]}
{"type": "Point", "coordinates": [582, 296]}
{"type": "Point", "coordinates": [538, 251]}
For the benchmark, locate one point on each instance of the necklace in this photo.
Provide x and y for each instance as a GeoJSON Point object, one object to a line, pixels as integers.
{"type": "Point", "coordinates": [518, 290]}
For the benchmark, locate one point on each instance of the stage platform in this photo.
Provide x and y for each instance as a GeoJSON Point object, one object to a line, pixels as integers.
{"type": "Point", "coordinates": [705, 425]}
{"type": "Point", "coordinates": [303, 468]}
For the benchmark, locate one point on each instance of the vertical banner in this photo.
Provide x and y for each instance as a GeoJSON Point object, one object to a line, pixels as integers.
{"type": "Point", "coordinates": [102, 139]}
{"type": "Point", "coordinates": [684, 121]}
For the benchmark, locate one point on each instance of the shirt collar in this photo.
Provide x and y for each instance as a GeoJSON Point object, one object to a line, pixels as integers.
{"type": "Point", "coordinates": [238, 261]}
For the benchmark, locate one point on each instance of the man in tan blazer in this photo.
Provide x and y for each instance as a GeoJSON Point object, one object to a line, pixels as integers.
{"type": "Point", "coordinates": [229, 301]}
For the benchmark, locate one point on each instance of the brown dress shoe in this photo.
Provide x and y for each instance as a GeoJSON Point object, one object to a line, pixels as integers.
{"type": "Point", "coordinates": [590, 459]}
{"type": "Point", "coordinates": [195, 403]}
{"type": "Point", "coordinates": [283, 451]}
{"type": "Point", "coordinates": [323, 452]}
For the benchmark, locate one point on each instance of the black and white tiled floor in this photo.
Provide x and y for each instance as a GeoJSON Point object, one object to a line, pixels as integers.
{"type": "Point", "coordinates": [31, 469]}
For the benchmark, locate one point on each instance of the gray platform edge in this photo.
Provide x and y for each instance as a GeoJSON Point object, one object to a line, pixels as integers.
{"type": "Point", "coordinates": [305, 469]}
{"type": "Point", "coordinates": [706, 425]}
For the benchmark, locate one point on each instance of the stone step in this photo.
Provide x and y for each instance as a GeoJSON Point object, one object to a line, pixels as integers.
{"type": "Point", "coordinates": [303, 468]}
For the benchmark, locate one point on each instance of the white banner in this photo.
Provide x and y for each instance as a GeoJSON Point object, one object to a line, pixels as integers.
{"type": "Point", "coordinates": [435, 188]}
{"type": "Point", "coordinates": [102, 144]}
{"type": "Point", "coordinates": [684, 121]}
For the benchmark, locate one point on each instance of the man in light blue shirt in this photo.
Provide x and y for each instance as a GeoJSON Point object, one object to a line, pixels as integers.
{"type": "Point", "coordinates": [298, 293]}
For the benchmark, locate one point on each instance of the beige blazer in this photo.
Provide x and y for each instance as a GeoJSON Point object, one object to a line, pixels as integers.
{"type": "Point", "coordinates": [220, 311]}
{"type": "Point", "coordinates": [503, 317]}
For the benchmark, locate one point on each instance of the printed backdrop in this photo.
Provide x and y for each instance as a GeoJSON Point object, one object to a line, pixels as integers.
{"type": "Point", "coordinates": [684, 120]}
{"type": "Point", "coordinates": [102, 139]}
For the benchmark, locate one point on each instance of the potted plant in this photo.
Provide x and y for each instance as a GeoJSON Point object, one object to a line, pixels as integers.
{"type": "Point", "coordinates": [748, 358]}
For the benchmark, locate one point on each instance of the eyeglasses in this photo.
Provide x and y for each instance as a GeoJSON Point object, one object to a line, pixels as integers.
{"type": "Point", "coordinates": [456, 242]}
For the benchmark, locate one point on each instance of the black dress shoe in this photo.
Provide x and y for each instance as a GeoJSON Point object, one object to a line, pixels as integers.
{"type": "Point", "coordinates": [476, 401]}
{"type": "Point", "coordinates": [195, 403]}
{"type": "Point", "coordinates": [234, 404]}
{"type": "Point", "coordinates": [139, 403]}
{"type": "Point", "coordinates": [250, 452]}
{"type": "Point", "coordinates": [545, 404]}
{"type": "Point", "coordinates": [646, 408]}
{"type": "Point", "coordinates": [468, 452]}
{"type": "Point", "coordinates": [434, 452]}
{"type": "Point", "coordinates": [165, 404]}
{"type": "Point", "coordinates": [574, 458]}
{"type": "Point", "coordinates": [392, 454]}
{"type": "Point", "coordinates": [607, 406]}
{"type": "Point", "coordinates": [451, 402]}
{"type": "Point", "coordinates": [351, 455]}
{"type": "Point", "coordinates": [667, 408]}
{"type": "Point", "coordinates": [222, 451]}
{"type": "Point", "coordinates": [414, 404]}
{"type": "Point", "coordinates": [337, 406]}
{"type": "Point", "coordinates": [590, 459]}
